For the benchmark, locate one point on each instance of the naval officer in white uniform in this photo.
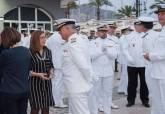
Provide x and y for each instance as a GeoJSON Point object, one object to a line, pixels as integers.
{"type": "Point", "coordinates": [111, 34]}
{"type": "Point", "coordinates": [123, 84]}
{"type": "Point", "coordinates": [78, 75]}
{"type": "Point", "coordinates": [103, 56]}
{"type": "Point", "coordinates": [149, 38]}
{"type": "Point", "coordinates": [55, 43]}
{"type": "Point", "coordinates": [157, 58]}
{"type": "Point", "coordinates": [136, 67]}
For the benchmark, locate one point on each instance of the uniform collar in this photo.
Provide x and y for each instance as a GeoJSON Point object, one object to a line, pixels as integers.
{"type": "Point", "coordinates": [73, 35]}
{"type": "Point", "coordinates": [149, 31]}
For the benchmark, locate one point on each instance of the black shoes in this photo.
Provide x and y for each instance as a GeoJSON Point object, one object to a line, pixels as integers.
{"type": "Point", "coordinates": [130, 104]}
{"type": "Point", "coordinates": [146, 105]}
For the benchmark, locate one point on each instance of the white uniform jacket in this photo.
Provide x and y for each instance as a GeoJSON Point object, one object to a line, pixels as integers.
{"type": "Point", "coordinates": [122, 42]}
{"type": "Point", "coordinates": [157, 56]}
{"type": "Point", "coordinates": [103, 54]}
{"type": "Point", "coordinates": [133, 50]}
{"type": "Point", "coordinates": [76, 66]}
{"type": "Point", "coordinates": [114, 38]}
{"type": "Point", "coordinates": [26, 41]}
{"type": "Point", "coordinates": [149, 40]}
{"type": "Point", "coordinates": [55, 43]}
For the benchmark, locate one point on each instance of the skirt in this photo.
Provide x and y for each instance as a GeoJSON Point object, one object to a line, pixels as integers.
{"type": "Point", "coordinates": [40, 93]}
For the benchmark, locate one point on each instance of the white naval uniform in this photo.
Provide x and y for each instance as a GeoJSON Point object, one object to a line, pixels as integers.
{"type": "Point", "coordinates": [93, 95]}
{"type": "Point", "coordinates": [102, 62]}
{"type": "Point", "coordinates": [116, 41]}
{"type": "Point", "coordinates": [123, 84]}
{"type": "Point", "coordinates": [136, 67]}
{"type": "Point", "coordinates": [149, 39]}
{"type": "Point", "coordinates": [26, 41]}
{"type": "Point", "coordinates": [77, 74]}
{"type": "Point", "coordinates": [134, 55]}
{"type": "Point", "coordinates": [54, 43]}
{"type": "Point", "coordinates": [157, 58]}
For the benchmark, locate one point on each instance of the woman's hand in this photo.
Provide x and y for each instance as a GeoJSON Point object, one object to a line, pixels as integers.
{"type": "Point", "coordinates": [43, 76]}
{"type": "Point", "coordinates": [51, 73]}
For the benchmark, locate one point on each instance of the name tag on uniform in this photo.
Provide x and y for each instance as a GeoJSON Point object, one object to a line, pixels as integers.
{"type": "Point", "coordinates": [66, 52]}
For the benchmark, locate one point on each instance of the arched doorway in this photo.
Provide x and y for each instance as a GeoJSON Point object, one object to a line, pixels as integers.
{"type": "Point", "coordinates": [27, 18]}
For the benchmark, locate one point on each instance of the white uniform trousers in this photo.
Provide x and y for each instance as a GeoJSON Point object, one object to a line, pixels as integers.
{"type": "Point", "coordinates": [58, 88]}
{"type": "Point", "coordinates": [93, 100]}
{"type": "Point", "coordinates": [149, 80]}
{"type": "Point", "coordinates": [105, 89]}
{"type": "Point", "coordinates": [78, 104]}
{"type": "Point", "coordinates": [158, 96]}
{"type": "Point", "coordinates": [123, 84]}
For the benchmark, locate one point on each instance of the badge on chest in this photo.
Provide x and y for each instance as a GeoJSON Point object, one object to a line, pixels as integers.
{"type": "Point", "coordinates": [65, 52]}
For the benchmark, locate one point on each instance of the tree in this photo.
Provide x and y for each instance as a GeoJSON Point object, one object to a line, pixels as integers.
{"type": "Point", "coordinates": [98, 4]}
{"type": "Point", "coordinates": [126, 11]}
{"type": "Point", "coordinates": [69, 6]}
{"type": "Point", "coordinates": [155, 5]}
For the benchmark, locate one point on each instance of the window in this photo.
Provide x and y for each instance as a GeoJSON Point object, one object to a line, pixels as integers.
{"type": "Point", "coordinates": [41, 16]}
{"type": "Point", "coordinates": [27, 14]}
{"type": "Point", "coordinates": [12, 15]}
{"type": "Point", "coordinates": [28, 18]}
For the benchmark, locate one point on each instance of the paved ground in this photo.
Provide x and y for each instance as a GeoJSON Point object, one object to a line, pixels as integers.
{"type": "Point", "coordinates": [119, 100]}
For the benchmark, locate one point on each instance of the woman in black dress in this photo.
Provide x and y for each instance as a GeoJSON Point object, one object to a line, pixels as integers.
{"type": "Point", "coordinates": [41, 97]}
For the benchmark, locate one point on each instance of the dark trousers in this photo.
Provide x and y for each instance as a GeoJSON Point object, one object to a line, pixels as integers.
{"type": "Point", "coordinates": [133, 73]}
{"type": "Point", "coordinates": [13, 103]}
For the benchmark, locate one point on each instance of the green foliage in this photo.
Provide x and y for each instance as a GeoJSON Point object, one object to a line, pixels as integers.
{"type": "Point", "coordinates": [126, 11]}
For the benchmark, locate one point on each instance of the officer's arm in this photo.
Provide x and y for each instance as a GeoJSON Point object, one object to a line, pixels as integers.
{"type": "Point", "coordinates": [112, 52]}
{"type": "Point", "coordinates": [95, 52]}
{"type": "Point", "coordinates": [79, 58]}
{"type": "Point", "coordinates": [126, 53]}
{"type": "Point", "coordinates": [157, 56]}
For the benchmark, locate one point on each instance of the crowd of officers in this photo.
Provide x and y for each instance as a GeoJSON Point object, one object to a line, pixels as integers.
{"type": "Point", "coordinates": [44, 70]}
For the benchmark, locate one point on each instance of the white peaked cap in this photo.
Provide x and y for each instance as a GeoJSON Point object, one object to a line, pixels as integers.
{"type": "Point", "coordinates": [146, 19]}
{"type": "Point", "coordinates": [63, 22]}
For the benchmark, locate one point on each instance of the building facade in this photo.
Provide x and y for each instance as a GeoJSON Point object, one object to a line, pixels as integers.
{"type": "Point", "coordinates": [27, 15]}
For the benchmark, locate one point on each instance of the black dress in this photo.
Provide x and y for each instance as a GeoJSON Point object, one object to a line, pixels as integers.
{"type": "Point", "coordinates": [41, 90]}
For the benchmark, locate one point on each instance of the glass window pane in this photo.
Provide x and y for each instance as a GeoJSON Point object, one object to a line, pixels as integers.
{"type": "Point", "coordinates": [27, 14]}
{"type": "Point", "coordinates": [32, 25]}
{"type": "Point", "coordinates": [48, 27]}
{"type": "Point", "coordinates": [6, 25]}
{"type": "Point", "coordinates": [23, 25]}
{"type": "Point", "coordinates": [14, 25]}
{"type": "Point", "coordinates": [12, 15]}
{"type": "Point", "coordinates": [40, 26]}
{"type": "Point", "coordinates": [42, 16]}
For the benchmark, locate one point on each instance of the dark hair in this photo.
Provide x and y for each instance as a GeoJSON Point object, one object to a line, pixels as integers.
{"type": "Point", "coordinates": [35, 41]}
{"type": "Point", "coordinates": [10, 37]}
{"type": "Point", "coordinates": [148, 25]}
